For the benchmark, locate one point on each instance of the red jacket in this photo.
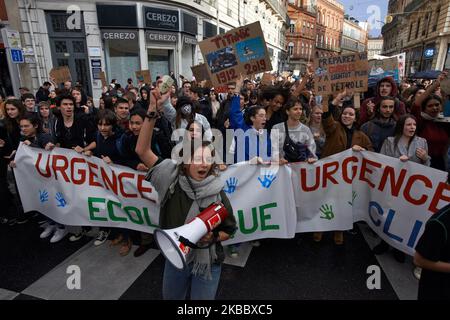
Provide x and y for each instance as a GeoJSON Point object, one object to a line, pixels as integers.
{"type": "Point", "coordinates": [399, 110]}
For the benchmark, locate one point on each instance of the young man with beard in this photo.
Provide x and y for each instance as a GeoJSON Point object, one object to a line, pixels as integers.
{"type": "Point", "coordinates": [385, 87]}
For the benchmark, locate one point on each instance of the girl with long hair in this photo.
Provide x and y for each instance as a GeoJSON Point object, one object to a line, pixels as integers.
{"type": "Point", "coordinates": [185, 189]}
{"type": "Point", "coordinates": [406, 146]}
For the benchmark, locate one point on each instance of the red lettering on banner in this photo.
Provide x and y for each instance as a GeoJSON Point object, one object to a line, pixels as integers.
{"type": "Point", "coordinates": [345, 169]}
{"type": "Point", "coordinates": [61, 168]}
{"type": "Point", "coordinates": [329, 175]}
{"type": "Point", "coordinates": [142, 189]}
{"type": "Point", "coordinates": [122, 176]}
{"type": "Point", "coordinates": [109, 184]}
{"type": "Point", "coordinates": [93, 175]}
{"type": "Point", "coordinates": [46, 174]}
{"type": "Point", "coordinates": [395, 185]}
{"type": "Point", "coordinates": [364, 169]}
{"type": "Point", "coordinates": [82, 172]}
{"type": "Point", "coordinates": [439, 195]}
{"type": "Point", "coordinates": [409, 184]}
{"type": "Point", "coordinates": [303, 180]}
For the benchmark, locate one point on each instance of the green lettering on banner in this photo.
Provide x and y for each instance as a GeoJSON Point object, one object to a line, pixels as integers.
{"type": "Point", "coordinates": [147, 218]}
{"type": "Point", "coordinates": [93, 210]}
{"type": "Point", "coordinates": [130, 210]}
{"type": "Point", "coordinates": [242, 221]}
{"type": "Point", "coordinates": [111, 211]}
{"type": "Point", "coordinates": [265, 217]}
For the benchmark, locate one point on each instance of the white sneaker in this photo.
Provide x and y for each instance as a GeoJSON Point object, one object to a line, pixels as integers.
{"type": "Point", "coordinates": [417, 272]}
{"type": "Point", "coordinates": [59, 234]}
{"type": "Point", "coordinates": [234, 253]}
{"type": "Point", "coordinates": [77, 236]}
{"type": "Point", "coordinates": [255, 243]}
{"type": "Point", "coordinates": [49, 229]}
{"type": "Point", "coordinates": [101, 238]}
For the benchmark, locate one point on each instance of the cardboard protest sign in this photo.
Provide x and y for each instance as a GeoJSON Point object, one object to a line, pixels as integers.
{"type": "Point", "coordinates": [143, 76]}
{"type": "Point", "coordinates": [266, 79]}
{"type": "Point", "coordinates": [239, 51]}
{"type": "Point", "coordinates": [334, 74]}
{"type": "Point", "coordinates": [200, 72]}
{"type": "Point", "coordinates": [61, 74]}
{"type": "Point", "coordinates": [445, 86]}
{"type": "Point", "coordinates": [103, 79]}
{"type": "Point", "coordinates": [401, 62]}
{"type": "Point", "coordinates": [379, 69]}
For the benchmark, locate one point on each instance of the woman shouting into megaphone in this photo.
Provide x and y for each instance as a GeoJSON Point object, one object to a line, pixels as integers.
{"type": "Point", "coordinates": [187, 187]}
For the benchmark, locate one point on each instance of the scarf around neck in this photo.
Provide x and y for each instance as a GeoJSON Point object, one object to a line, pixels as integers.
{"type": "Point", "coordinates": [204, 193]}
{"type": "Point", "coordinates": [426, 116]}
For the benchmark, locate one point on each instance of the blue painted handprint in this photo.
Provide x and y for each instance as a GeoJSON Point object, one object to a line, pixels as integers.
{"type": "Point", "coordinates": [43, 196]}
{"type": "Point", "coordinates": [231, 185]}
{"type": "Point", "coordinates": [61, 201]}
{"type": "Point", "coordinates": [268, 179]}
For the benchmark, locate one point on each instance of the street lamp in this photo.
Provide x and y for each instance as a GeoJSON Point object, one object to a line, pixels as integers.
{"type": "Point", "coordinates": [390, 17]}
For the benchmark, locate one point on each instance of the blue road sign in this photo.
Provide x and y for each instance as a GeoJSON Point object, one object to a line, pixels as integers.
{"type": "Point", "coordinates": [17, 56]}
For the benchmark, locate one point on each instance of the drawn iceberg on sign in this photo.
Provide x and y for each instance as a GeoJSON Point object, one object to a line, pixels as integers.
{"type": "Point", "coordinates": [376, 72]}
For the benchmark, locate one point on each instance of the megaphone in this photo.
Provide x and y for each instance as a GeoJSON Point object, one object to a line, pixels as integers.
{"type": "Point", "coordinates": [176, 244]}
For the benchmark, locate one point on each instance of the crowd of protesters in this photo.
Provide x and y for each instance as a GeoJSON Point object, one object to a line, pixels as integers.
{"type": "Point", "coordinates": [397, 120]}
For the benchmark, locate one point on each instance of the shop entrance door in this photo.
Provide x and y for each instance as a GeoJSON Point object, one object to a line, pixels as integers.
{"type": "Point", "coordinates": [6, 88]}
{"type": "Point", "coordinates": [160, 62]}
{"type": "Point", "coordinates": [69, 48]}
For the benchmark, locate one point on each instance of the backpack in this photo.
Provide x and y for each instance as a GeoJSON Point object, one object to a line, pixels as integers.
{"type": "Point", "coordinates": [294, 151]}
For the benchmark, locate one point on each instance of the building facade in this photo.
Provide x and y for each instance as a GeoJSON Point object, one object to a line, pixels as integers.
{"type": "Point", "coordinates": [121, 37]}
{"type": "Point", "coordinates": [273, 16]}
{"type": "Point", "coordinates": [301, 35]}
{"type": "Point", "coordinates": [330, 23]}
{"type": "Point", "coordinates": [421, 29]}
{"type": "Point", "coordinates": [374, 46]}
{"type": "Point", "coordinates": [354, 36]}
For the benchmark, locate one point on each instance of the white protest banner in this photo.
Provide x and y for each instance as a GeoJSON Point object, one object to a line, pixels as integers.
{"type": "Point", "coordinates": [320, 201]}
{"type": "Point", "coordinates": [262, 201]}
{"type": "Point", "coordinates": [394, 198]}
{"type": "Point", "coordinates": [73, 189]}
{"type": "Point", "coordinates": [76, 190]}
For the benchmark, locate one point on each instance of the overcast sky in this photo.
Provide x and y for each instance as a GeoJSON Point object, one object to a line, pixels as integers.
{"type": "Point", "coordinates": [364, 10]}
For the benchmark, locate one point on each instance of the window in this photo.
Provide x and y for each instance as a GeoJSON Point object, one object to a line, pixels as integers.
{"type": "Point", "coordinates": [292, 27]}
{"type": "Point", "coordinates": [417, 28]}
{"type": "Point", "coordinates": [290, 48]}
{"type": "Point", "coordinates": [436, 19]}
{"type": "Point", "coordinates": [410, 31]}
{"type": "Point", "coordinates": [425, 25]}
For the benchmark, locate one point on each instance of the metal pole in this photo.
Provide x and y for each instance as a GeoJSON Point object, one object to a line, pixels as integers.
{"type": "Point", "coordinates": [217, 15]}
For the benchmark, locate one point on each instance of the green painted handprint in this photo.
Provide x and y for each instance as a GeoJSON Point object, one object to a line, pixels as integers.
{"type": "Point", "coordinates": [354, 195]}
{"type": "Point", "coordinates": [327, 212]}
